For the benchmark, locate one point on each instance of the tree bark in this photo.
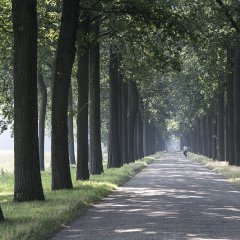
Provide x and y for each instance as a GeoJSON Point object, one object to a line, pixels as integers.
{"type": "Point", "coordinates": [124, 123]}
{"type": "Point", "coordinates": [206, 136]}
{"type": "Point", "coordinates": [203, 136]}
{"type": "Point", "coordinates": [153, 137]}
{"type": "Point", "coordinates": [140, 134]}
{"type": "Point", "coordinates": [120, 123]}
{"type": "Point", "coordinates": [42, 116]}
{"type": "Point", "coordinates": [236, 91]}
{"type": "Point", "coordinates": [132, 112]}
{"type": "Point", "coordinates": [135, 153]}
{"type": "Point", "coordinates": [83, 88]}
{"type": "Point", "coordinates": [181, 141]}
{"type": "Point", "coordinates": [61, 177]}
{"type": "Point", "coordinates": [226, 129]}
{"type": "Point", "coordinates": [230, 103]}
{"type": "Point", "coordinates": [27, 180]}
{"type": "Point", "coordinates": [114, 158]}
{"type": "Point", "coordinates": [96, 166]}
{"type": "Point", "coordinates": [209, 136]}
{"type": "Point", "coordinates": [194, 141]}
{"type": "Point", "coordinates": [146, 137]}
{"type": "Point", "coordinates": [149, 138]}
{"type": "Point", "coordinates": [161, 141]}
{"type": "Point", "coordinates": [191, 136]}
{"type": "Point", "coordinates": [200, 143]}
{"type": "Point", "coordinates": [220, 126]}
{"type": "Point", "coordinates": [1, 215]}
{"type": "Point", "coordinates": [214, 137]}
{"type": "Point", "coordinates": [70, 128]}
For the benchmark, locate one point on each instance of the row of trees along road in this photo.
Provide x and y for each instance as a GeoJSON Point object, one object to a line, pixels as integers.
{"type": "Point", "coordinates": [148, 55]}
{"type": "Point", "coordinates": [213, 131]}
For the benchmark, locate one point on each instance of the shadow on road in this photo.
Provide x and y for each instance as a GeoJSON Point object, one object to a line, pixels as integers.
{"type": "Point", "coordinates": [174, 198]}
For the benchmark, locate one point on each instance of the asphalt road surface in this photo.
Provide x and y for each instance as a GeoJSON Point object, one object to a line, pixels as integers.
{"type": "Point", "coordinates": [173, 198]}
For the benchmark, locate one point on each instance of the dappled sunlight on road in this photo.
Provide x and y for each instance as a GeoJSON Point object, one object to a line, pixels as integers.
{"type": "Point", "coordinates": [197, 237]}
{"type": "Point", "coordinates": [173, 198]}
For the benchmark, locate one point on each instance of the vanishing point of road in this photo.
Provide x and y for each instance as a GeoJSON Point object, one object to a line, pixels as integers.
{"type": "Point", "coordinates": [173, 198]}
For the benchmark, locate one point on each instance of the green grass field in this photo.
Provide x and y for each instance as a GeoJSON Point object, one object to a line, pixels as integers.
{"type": "Point", "coordinates": [39, 219]}
{"type": "Point", "coordinates": [7, 160]}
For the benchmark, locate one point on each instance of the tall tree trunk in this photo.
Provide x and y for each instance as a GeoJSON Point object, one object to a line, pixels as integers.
{"type": "Point", "coordinates": [181, 141]}
{"type": "Point", "coordinates": [226, 129]}
{"type": "Point", "coordinates": [191, 140]}
{"type": "Point", "coordinates": [132, 112]}
{"type": "Point", "coordinates": [206, 136]}
{"type": "Point", "coordinates": [149, 138]}
{"type": "Point", "coordinates": [135, 153]}
{"type": "Point", "coordinates": [42, 116]}
{"type": "Point", "coordinates": [140, 134]}
{"type": "Point", "coordinates": [195, 141]}
{"type": "Point", "coordinates": [124, 123]}
{"type": "Point", "coordinates": [61, 177]}
{"type": "Point", "coordinates": [209, 136]}
{"type": "Point", "coordinates": [153, 139]}
{"type": "Point", "coordinates": [82, 110]}
{"type": "Point", "coordinates": [114, 158]}
{"type": "Point", "coordinates": [120, 123]}
{"type": "Point", "coordinates": [1, 215]}
{"type": "Point", "coordinates": [230, 103]}
{"type": "Point", "coordinates": [70, 128]}
{"type": "Point", "coordinates": [214, 137]}
{"type": "Point", "coordinates": [161, 143]}
{"type": "Point", "coordinates": [220, 126]}
{"type": "Point", "coordinates": [96, 166]}
{"type": "Point", "coordinates": [203, 135]}
{"type": "Point", "coordinates": [145, 150]}
{"type": "Point", "coordinates": [236, 91]}
{"type": "Point", "coordinates": [200, 143]}
{"type": "Point", "coordinates": [27, 178]}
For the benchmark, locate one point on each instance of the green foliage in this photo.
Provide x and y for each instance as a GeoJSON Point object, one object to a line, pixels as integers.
{"type": "Point", "coordinates": [6, 84]}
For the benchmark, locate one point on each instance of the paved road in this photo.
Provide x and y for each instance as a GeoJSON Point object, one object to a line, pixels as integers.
{"type": "Point", "coordinates": [173, 198]}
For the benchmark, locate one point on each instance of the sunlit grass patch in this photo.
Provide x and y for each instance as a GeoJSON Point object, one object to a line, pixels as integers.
{"type": "Point", "coordinates": [39, 219]}
{"type": "Point", "coordinates": [221, 167]}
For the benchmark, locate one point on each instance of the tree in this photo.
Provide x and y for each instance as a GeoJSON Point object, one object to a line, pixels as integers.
{"type": "Point", "coordinates": [209, 135]}
{"type": "Point", "coordinates": [203, 135]}
{"type": "Point", "coordinates": [220, 126]}
{"type": "Point", "coordinates": [70, 128]}
{"type": "Point", "coordinates": [230, 108]}
{"type": "Point", "coordinates": [1, 215]}
{"type": "Point", "coordinates": [42, 115]}
{"type": "Point", "coordinates": [132, 113]}
{"type": "Point", "coordinates": [236, 104]}
{"type": "Point", "coordinates": [214, 137]}
{"type": "Point", "coordinates": [61, 177]}
{"type": "Point", "coordinates": [95, 161]}
{"type": "Point", "coordinates": [114, 154]}
{"type": "Point", "coordinates": [27, 181]}
{"type": "Point", "coordinates": [140, 153]}
{"type": "Point", "coordinates": [124, 140]}
{"type": "Point", "coordinates": [83, 88]}
{"type": "Point", "coordinates": [48, 27]}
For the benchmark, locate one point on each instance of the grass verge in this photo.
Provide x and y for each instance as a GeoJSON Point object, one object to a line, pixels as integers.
{"type": "Point", "coordinates": [232, 173]}
{"type": "Point", "coordinates": [39, 219]}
